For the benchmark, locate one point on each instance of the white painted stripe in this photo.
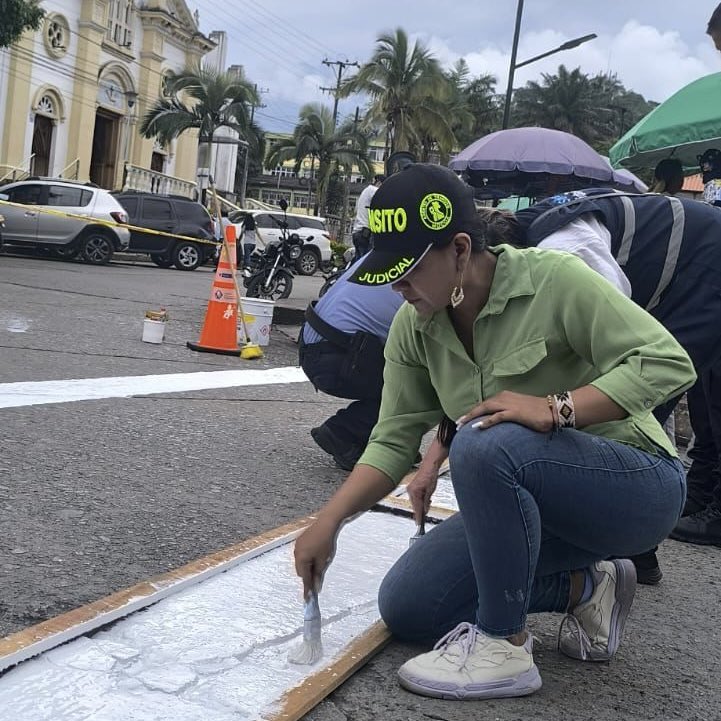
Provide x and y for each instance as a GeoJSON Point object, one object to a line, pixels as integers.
{"type": "Point", "coordinates": [33, 393]}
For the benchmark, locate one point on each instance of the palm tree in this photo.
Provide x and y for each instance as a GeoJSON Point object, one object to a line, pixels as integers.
{"type": "Point", "coordinates": [566, 101]}
{"type": "Point", "coordinates": [473, 105]}
{"type": "Point", "coordinates": [316, 138]}
{"type": "Point", "coordinates": [203, 99]}
{"type": "Point", "coordinates": [407, 90]}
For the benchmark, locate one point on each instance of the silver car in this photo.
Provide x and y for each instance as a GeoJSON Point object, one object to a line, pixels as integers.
{"type": "Point", "coordinates": [45, 225]}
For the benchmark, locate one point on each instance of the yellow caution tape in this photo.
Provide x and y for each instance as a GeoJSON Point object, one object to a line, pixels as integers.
{"type": "Point", "coordinates": [109, 223]}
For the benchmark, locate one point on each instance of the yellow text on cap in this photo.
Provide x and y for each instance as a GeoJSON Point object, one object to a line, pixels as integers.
{"type": "Point", "coordinates": [386, 220]}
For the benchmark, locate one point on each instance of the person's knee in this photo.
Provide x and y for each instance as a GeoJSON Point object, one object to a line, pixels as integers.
{"type": "Point", "coordinates": [486, 454]}
{"type": "Point", "coordinates": [400, 609]}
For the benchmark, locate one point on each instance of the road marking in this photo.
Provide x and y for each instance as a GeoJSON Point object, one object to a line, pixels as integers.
{"type": "Point", "coordinates": [31, 393]}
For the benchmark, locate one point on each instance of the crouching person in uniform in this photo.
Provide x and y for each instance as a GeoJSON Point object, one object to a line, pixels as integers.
{"type": "Point", "coordinates": [341, 352]}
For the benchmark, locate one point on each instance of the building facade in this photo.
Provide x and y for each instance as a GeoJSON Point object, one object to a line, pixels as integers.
{"type": "Point", "coordinates": [73, 92]}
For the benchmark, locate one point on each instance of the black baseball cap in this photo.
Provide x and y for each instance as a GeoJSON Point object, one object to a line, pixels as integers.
{"type": "Point", "coordinates": [414, 210]}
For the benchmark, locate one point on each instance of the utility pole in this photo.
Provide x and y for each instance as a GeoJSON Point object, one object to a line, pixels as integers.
{"type": "Point", "coordinates": [262, 91]}
{"type": "Point", "coordinates": [342, 65]}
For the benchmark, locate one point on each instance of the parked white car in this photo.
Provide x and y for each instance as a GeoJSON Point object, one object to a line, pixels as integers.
{"type": "Point", "coordinates": [268, 230]}
{"type": "Point", "coordinates": [65, 236]}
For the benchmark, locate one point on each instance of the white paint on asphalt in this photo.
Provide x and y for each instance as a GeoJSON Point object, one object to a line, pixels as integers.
{"type": "Point", "coordinates": [216, 651]}
{"type": "Point", "coordinates": [15, 324]}
{"type": "Point", "coordinates": [13, 395]}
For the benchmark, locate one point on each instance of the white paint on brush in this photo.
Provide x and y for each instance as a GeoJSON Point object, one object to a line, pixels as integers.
{"type": "Point", "coordinates": [64, 391]}
{"type": "Point", "coordinates": [216, 651]}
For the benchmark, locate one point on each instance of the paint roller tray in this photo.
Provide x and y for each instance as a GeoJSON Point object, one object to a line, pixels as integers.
{"type": "Point", "coordinates": [217, 650]}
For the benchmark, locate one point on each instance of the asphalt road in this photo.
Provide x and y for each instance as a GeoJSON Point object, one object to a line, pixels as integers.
{"type": "Point", "coordinates": [97, 495]}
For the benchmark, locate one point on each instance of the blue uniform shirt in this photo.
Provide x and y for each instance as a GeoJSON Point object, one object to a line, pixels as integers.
{"type": "Point", "coordinates": [350, 307]}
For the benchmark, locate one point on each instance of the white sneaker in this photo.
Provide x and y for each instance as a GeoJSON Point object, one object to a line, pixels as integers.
{"type": "Point", "coordinates": [593, 630]}
{"type": "Point", "coordinates": [466, 663]}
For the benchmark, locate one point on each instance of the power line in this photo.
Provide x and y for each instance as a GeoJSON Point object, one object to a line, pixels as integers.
{"type": "Point", "coordinates": [254, 7]}
{"type": "Point", "coordinates": [293, 123]}
{"type": "Point", "coordinates": [256, 45]}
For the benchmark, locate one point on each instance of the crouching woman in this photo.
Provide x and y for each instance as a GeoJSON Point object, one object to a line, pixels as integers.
{"type": "Point", "coordinates": [558, 463]}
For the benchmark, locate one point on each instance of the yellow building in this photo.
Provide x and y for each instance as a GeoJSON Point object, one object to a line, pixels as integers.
{"type": "Point", "coordinates": [73, 92]}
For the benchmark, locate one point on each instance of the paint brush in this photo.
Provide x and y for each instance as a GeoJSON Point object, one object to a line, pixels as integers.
{"type": "Point", "coordinates": [420, 531]}
{"type": "Point", "coordinates": [310, 650]}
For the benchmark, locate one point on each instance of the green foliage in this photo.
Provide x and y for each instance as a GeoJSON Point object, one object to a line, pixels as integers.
{"type": "Point", "coordinates": [337, 248]}
{"type": "Point", "coordinates": [17, 17]}
{"type": "Point", "coordinates": [203, 99]}
{"type": "Point", "coordinates": [408, 94]}
{"type": "Point", "coordinates": [476, 105]}
{"type": "Point", "coordinates": [597, 109]}
{"type": "Point", "coordinates": [328, 148]}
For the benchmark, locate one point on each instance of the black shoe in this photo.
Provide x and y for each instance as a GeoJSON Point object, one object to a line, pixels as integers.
{"type": "Point", "coordinates": [693, 506]}
{"type": "Point", "coordinates": [703, 527]}
{"type": "Point", "coordinates": [648, 571]}
{"type": "Point", "coordinates": [345, 455]}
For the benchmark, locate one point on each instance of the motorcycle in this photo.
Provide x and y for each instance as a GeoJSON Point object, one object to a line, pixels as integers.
{"type": "Point", "coordinates": [337, 271]}
{"type": "Point", "coordinates": [272, 276]}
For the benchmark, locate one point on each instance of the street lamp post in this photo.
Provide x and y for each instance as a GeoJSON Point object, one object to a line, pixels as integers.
{"type": "Point", "coordinates": [514, 65]}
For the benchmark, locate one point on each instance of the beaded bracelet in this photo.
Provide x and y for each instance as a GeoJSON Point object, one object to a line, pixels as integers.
{"type": "Point", "coordinates": [552, 407]}
{"type": "Point", "coordinates": [565, 409]}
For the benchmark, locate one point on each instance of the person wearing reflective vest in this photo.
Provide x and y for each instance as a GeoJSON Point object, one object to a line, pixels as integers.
{"type": "Point", "coordinates": [670, 251]}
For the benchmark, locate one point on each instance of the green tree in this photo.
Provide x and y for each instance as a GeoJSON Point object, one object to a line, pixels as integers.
{"type": "Point", "coordinates": [407, 90]}
{"type": "Point", "coordinates": [597, 109]}
{"type": "Point", "coordinates": [202, 99]}
{"type": "Point", "coordinates": [566, 101]}
{"type": "Point", "coordinates": [315, 137]}
{"type": "Point", "coordinates": [479, 106]}
{"type": "Point", "coordinates": [17, 17]}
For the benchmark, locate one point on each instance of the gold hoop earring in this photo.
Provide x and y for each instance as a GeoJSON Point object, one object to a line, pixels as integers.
{"type": "Point", "coordinates": [457, 296]}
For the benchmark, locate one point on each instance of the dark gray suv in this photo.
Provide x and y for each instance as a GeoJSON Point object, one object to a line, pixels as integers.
{"type": "Point", "coordinates": [169, 214]}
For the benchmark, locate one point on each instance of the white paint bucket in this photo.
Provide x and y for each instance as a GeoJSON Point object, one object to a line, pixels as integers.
{"type": "Point", "coordinates": [153, 330]}
{"type": "Point", "coordinates": [258, 316]}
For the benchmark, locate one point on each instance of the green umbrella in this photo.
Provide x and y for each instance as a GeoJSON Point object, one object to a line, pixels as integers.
{"type": "Point", "coordinates": [683, 127]}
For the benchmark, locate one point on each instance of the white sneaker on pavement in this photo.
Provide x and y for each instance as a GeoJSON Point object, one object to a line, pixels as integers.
{"type": "Point", "coordinates": [466, 663]}
{"type": "Point", "coordinates": [592, 630]}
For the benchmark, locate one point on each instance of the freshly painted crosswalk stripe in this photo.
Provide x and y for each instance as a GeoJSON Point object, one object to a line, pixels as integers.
{"type": "Point", "coordinates": [13, 395]}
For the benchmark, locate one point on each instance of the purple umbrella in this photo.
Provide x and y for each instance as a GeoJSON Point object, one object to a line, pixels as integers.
{"type": "Point", "coordinates": [533, 150]}
{"type": "Point", "coordinates": [534, 161]}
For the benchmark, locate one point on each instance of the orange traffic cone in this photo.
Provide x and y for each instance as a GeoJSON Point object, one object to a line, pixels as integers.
{"type": "Point", "coordinates": [220, 329]}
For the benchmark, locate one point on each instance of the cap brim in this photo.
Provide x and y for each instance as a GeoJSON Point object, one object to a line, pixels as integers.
{"type": "Point", "coordinates": [382, 268]}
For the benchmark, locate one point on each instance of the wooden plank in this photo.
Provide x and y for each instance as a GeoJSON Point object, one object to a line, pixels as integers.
{"type": "Point", "coordinates": [299, 700]}
{"type": "Point", "coordinates": [403, 505]}
{"type": "Point", "coordinates": [31, 641]}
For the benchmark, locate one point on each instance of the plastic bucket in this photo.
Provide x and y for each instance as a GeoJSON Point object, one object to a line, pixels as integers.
{"type": "Point", "coordinates": [258, 316]}
{"type": "Point", "coordinates": [153, 330]}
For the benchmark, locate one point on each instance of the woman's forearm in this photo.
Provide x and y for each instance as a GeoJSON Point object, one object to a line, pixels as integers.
{"type": "Point", "coordinates": [593, 406]}
{"type": "Point", "coordinates": [363, 488]}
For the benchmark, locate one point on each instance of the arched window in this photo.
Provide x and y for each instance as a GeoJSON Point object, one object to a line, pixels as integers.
{"type": "Point", "coordinates": [46, 107]}
{"type": "Point", "coordinates": [120, 23]}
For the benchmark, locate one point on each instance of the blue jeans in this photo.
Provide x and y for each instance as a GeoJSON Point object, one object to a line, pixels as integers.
{"type": "Point", "coordinates": [533, 508]}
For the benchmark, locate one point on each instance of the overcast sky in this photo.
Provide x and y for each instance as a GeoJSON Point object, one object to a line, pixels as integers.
{"type": "Point", "coordinates": [654, 46]}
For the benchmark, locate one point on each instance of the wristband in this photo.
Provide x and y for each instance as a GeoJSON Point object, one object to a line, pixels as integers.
{"type": "Point", "coordinates": [565, 409]}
